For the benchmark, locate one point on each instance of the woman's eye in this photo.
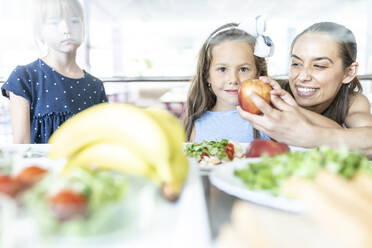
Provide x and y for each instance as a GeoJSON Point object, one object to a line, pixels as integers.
{"type": "Point", "coordinates": [294, 64]}
{"type": "Point", "coordinates": [244, 69]}
{"type": "Point", "coordinates": [320, 66]}
{"type": "Point", "coordinates": [221, 69]}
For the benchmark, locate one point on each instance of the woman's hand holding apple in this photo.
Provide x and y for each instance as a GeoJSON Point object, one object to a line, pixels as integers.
{"type": "Point", "coordinates": [283, 122]}
{"type": "Point", "coordinates": [257, 86]}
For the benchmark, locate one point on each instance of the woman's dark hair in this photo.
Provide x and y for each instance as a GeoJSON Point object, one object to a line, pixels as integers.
{"type": "Point", "coordinates": [201, 97]}
{"type": "Point", "coordinates": [348, 53]}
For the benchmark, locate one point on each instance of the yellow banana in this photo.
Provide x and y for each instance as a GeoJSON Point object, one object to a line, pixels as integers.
{"type": "Point", "coordinates": [115, 122]}
{"type": "Point", "coordinates": [125, 138]}
{"type": "Point", "coordinates": [174, 173]}
{"type": "Point", "coordinates": [111, 156]}
{"type": "Point", "coordinates": [179, 167]}
{"type": "Point", "coordinates": [173, 128]}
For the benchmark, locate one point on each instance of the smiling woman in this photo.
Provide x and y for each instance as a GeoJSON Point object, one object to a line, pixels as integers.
{"type": "Point", "coordinates": [328, 108]}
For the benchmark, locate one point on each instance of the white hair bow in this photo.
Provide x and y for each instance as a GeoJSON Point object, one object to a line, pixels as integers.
{"type": "Point", "coordinates": [264, 46]}
{"type": "Point", "coordinates": [256, 27]}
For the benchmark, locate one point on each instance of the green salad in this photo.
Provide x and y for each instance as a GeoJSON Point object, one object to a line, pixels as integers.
{"type": "Point", "coordinates": [95, 207]}
{"type": "Point", "coordinates": [270, 173]}
{"type": "Point", "coordinates": [209, 148]}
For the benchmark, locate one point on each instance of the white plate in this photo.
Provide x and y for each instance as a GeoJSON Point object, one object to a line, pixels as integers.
{"type": "Point", "coordinates": [206, 169]}
{"type": "Point", "coordinates": [224, 179]}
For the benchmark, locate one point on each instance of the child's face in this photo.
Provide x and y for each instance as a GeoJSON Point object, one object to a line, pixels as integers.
{"type": "Point", "coordinates": [232, 63]}
{"type": "Point", "coordinates": [62, 34]}
{"type": "Point", "coordinates": [316, 72]}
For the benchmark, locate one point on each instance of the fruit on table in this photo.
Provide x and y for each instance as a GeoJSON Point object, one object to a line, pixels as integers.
{"type": "Point", "coordinates": [31, 175]}
{"type": "Point", "coordinates": [176, 135]}
{"type": "Point", "coordinates": [111, 122]}
{"type": "Point", "coordinates": [67, 204]}
{"type": "Point", "coordinates": [146, 142]}
{"type": "Point", "coordinates": [111, 155]}
{"type": "Point", "coordinates": [258, 147]}
{"type": "Point", "coordinates": [253, 85]}
{"type": "Point", "coordinates": [9, 186]}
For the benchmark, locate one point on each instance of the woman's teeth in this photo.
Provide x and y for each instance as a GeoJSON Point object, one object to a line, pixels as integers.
{"type": "Point", "coordinates": [304, 90]}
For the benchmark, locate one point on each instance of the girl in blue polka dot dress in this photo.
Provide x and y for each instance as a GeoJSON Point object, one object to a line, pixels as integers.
{"type": "Point", "coordinates": [48, 91]}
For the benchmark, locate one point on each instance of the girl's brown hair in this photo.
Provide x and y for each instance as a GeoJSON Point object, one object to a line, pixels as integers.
{"type": "Point", "coordinates": [201, 97]}
{"type": "Point", "coordinates": [348, 52]}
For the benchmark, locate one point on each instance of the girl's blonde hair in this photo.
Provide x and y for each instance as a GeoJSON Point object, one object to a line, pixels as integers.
{"type": "Point", "coordinates": [200, 97]}
{"type": "Point", "coordinates": [42, 9]}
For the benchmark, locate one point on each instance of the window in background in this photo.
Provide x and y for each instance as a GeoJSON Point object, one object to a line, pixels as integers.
{"type": "Point", "coordinates": [162, 37]}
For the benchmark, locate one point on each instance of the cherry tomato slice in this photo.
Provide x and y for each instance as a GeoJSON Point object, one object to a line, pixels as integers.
{"type": "Point", "coordinates": [230, 151]}
{"type": "Point", "coordinates": [9, 186]}
{"type": "Point", "coordinates": [31, 175]}
{"type": "Point", "coordinates": [68, 204]}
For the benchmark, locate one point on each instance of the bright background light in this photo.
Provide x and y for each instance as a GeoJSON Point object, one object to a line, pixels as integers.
{"type": "Point", "coordinates": [162, 37]}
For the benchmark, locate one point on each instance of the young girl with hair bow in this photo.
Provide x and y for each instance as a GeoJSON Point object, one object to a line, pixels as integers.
{"type": "Point", "coordinates": [48, 91]}
{"type": "Point", "coordinates": [232, 54]}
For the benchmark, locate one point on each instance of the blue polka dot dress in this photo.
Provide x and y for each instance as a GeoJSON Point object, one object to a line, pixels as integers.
{"type": "Point", "coordinates": [53, 98]}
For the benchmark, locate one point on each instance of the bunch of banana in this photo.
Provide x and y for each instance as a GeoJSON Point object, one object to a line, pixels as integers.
{"type": "Point", "coordinates": [115, 136]}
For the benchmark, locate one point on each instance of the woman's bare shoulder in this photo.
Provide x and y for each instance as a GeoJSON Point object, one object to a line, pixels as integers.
{"type": "Point", "coordinates": [359, 113]}
{"type": "Point", "coordinates": [359, 103]}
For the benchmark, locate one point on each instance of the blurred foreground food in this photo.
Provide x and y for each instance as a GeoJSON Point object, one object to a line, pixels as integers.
{"type": "Point", "coordinates": [85, 202]}
{"type": "Point", "coordinates": [270, 174]}
{"type": "Point", "coordinates": [338, 215]}
{"type": "Point", "coordinates": [113, 136]}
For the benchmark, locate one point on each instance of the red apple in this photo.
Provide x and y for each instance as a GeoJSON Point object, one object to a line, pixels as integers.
{"type": "Point", "coordinates": [257, 86]}
{"type": "Point", "coordinates": [259, 146]}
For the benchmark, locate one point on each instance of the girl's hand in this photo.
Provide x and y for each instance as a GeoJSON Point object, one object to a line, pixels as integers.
{"type": "Point", "coordinates": [284, 123]}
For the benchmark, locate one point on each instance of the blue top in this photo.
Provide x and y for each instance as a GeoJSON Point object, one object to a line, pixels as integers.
{"type": "Point", "coordinates": [224, 125]}
{"type": "Point", "coordinates": [53, 98]}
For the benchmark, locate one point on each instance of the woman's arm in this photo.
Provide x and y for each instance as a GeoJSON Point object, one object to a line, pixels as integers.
{"type": "Point", "coordinates": [284, 124]}
{"type": "Point", "coordinates": [20, 119]}
{"type": "Point", "coordinates": [279, 95]}
{"type": "Point", "coordinates": [290, 125]}
{"type": "Point", "coordinates": [358, 121]}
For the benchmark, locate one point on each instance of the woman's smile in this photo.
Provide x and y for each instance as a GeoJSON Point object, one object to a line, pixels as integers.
{"type": "Point", "coordinates": [302, 91]}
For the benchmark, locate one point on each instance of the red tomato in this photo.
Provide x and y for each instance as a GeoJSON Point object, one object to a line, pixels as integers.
{"type": "Point", "coordinates": [259, 146]}
{"type": "Point", "coordinates": [203, 155]}
{"type": "Point", "coordinates": [68, 204]}
{"type": "Point", "coordinates": [9, 186]}
{"type": "Point", "coordinates": [230, 151]}
{"type": "Point", "coordinates": [31, 175]}
{"type": "Point", "coordinates": [257, 86]}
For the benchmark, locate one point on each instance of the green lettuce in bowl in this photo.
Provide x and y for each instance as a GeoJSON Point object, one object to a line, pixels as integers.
{"type": "Point", "coordinates": [269, 174]}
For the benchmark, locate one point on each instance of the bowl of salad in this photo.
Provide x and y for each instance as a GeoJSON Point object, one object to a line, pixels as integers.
{"type": "Point", "coordinates": [86, 208]}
